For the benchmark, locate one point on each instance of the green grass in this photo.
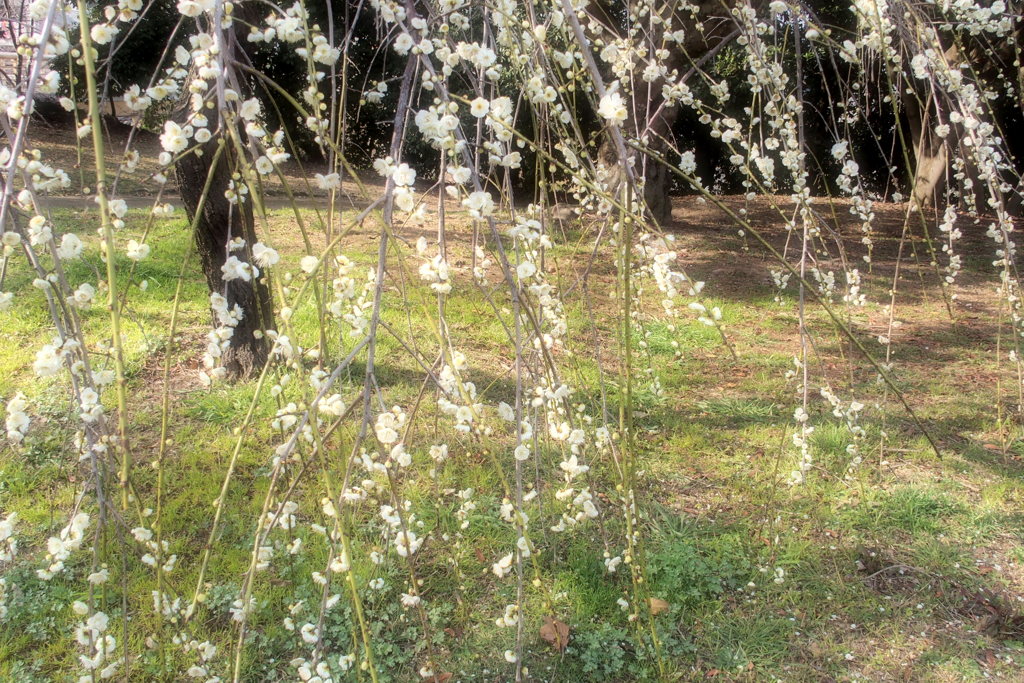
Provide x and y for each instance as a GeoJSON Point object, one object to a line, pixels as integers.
{"type": "Point", "coordinates": [860, 576]}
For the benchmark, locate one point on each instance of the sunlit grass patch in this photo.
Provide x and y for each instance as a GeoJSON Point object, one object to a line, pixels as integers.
{"type": "Point", "coordinates": [759, 577]}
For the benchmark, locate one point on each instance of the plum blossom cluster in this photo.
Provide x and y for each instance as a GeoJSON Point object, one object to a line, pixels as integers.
{"type": "Point", "coordinates": [8, 550]}
{"type": "Point", "coordinates": [93, 635]}
{"type": "Point", "coordinates": [59, 548]}
{"type": "Point", "coordinates": [17, 421]}
{"type": "Point", "coordinates": [850, 414]}
{"type": "Point", "coordinates": [219, 339]}
{"type": "Point", "coordinates": [434, 271]}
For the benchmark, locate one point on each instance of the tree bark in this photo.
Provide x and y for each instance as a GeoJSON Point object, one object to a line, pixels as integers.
{"type": "Point", "coordinates": [219, 223]}
{"type": "Point", "coordinates": [706, 30]}
{"type": "Point", "coordinates": [655, 176]}
{"type": "Point", "coordinates": [934, 157]}
{"type": "Point", "coordinates": [931, 154]}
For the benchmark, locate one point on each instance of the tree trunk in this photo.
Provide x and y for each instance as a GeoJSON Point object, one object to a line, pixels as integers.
{"type": "Point", "coordinates": [219, 223]}
{"type": "Point", "coordinates": [656, 190]}
{"type": "Point", "coordinates": [654, 175]}
{"type": "Point", "coordinates": [934, 157]}
{"type": "Point", "coordinates": [931, 155]}
{"type": "Point", "coordinates": [707, 29]}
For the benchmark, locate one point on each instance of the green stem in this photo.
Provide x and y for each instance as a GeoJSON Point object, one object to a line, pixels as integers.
{"type": "Point", "coordinates": [107, 231]}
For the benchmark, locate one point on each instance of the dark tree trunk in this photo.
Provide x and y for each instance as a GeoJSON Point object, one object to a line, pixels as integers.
{"type": "Point", "coordinates": [656, 190]}
{"type": "Point", "coordinates": [218, 224]}
{"type": "Point", "coordinates": [656, 178]}
{"type": "Point", "coordinates": [707, 30]}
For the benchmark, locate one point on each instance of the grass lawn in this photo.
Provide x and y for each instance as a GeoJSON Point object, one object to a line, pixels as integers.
{"type": "Point", "coordinates": [904, 567]}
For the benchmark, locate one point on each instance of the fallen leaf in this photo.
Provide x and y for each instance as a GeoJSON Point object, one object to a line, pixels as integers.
{"type": "Point", "coordinates": [555, 633]}
{"type": "Point", "coordinates": [442, 678]}
{"type": "Point", "coordinates": [658, 606]}
{"type": "Point", "coordinates": [480, 556]}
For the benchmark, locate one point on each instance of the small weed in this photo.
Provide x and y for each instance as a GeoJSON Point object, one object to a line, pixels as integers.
{"type": "Point", "coordinates": [601, 650]}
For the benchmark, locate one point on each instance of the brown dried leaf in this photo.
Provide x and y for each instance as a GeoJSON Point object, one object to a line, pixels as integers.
{"type": "Point", "coordinates": [658, 606]}
{"type": "Point", "coordinates": [555, 633]}
{"type": "Point", "coordinates": [442, 677]}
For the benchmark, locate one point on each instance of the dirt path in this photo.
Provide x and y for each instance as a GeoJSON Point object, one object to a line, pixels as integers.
{"type": "Point", "coordinates": [271, 202]}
